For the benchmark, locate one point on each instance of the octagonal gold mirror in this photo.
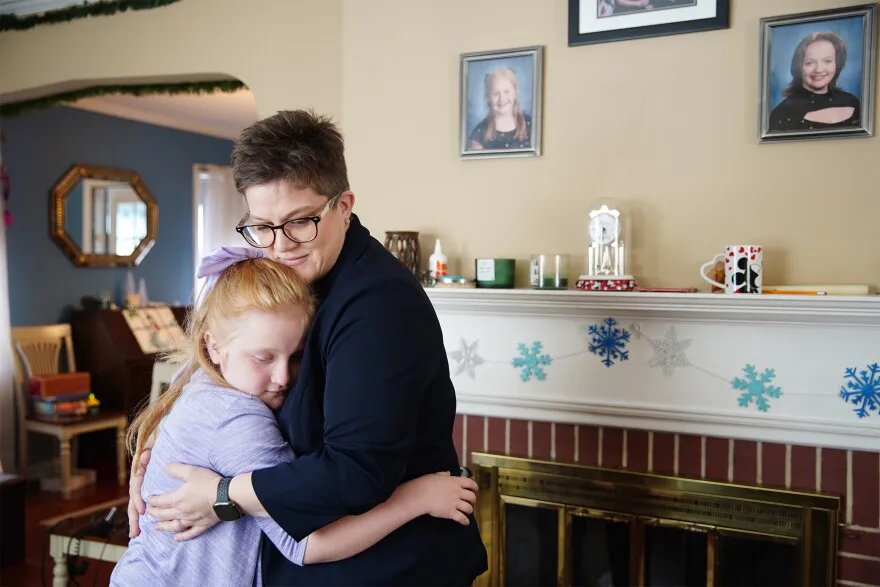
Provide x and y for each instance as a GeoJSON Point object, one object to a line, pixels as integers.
{"type": "Point", "coordinates": [103, 217]}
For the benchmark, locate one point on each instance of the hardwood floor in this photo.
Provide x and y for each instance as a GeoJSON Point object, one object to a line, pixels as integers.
{"type": "Point", "coordinates": [43, 505]}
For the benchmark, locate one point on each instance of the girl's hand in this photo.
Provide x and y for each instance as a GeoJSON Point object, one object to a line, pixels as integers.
{"type": "Point", "coordinates": [440, 495]}
{"type": "Point", "coordinates": [136, 505]}
{"type": "Point", "coordinates": [189, 511]}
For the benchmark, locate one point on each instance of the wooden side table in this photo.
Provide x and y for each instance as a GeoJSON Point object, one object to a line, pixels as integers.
{"type": "Point", "coordinates": [63, 529]}
{"type": "Point", "coordinates": [66, 431]}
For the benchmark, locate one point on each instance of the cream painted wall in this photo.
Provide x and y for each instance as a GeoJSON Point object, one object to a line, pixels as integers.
{"type": "Point", "coordinates": [673, 137]}
{"type": "Point", "coordinates": [287, 51]}
{"type": "Point", "coordinates": [666, 125]}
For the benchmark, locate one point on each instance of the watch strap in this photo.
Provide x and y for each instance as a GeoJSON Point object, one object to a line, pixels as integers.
{"type": "Point", "coordinates": [223, 490]}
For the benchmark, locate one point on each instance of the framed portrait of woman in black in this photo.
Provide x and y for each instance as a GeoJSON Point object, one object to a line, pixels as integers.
{"type": "Point", "coordinates": [501, 103]}
{"type": "Point", "coordinates": [817, 75]}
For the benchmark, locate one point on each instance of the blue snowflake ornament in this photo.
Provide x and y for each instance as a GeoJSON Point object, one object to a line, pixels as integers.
{"type": "Point", "coordinates": [609, 342]}
{"type": "Point", "coordinates": [756, 388]}
{"type": "Point", "coordinates": [862, 389]}
{"type": "Point", "coordinates": [531, 361]}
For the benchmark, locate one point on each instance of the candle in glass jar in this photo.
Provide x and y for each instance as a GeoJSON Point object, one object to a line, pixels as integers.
{"type": "Point", "coordinates": [549, 272]}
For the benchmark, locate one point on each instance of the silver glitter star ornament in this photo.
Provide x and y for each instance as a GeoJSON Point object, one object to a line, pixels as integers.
{"type": "Point", "coordinates": [466, 358]}
{"type": "Point", "coordinates": [670, 352]}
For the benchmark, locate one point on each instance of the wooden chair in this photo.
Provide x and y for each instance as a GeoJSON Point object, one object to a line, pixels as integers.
{"type": "Point", "coordinates": [38, 352]}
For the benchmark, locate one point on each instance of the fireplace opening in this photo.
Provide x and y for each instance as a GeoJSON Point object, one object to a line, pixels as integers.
{"type": "Point", "coordinates": [754, 562]}
{"type": "Point", "coordinates": [547, 523]}
{"type": "Point", "coordinates": [600, 549]}
{"type": "Point", "coordinates": [675, 557]}
{"type": "Point", "coordinates": [532, 545]}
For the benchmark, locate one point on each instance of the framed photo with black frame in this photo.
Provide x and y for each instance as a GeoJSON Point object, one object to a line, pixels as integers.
{"type": "Point", "coordinates": [603, 21]}
{"type": "Point", "coordinates": [817, 74]}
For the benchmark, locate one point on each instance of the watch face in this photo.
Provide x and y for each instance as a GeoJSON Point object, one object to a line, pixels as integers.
{"type": "Point", "coordinates": [604, 229]}
{"type": "Point", "coordinates": [227, 511]}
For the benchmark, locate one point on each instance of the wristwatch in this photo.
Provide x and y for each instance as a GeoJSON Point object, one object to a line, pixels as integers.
{"type": "Point", "coordinates": [226, 509]}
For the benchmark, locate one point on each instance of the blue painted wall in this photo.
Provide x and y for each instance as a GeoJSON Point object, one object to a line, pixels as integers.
{"type": "Point", "coordinates": [39, 148]}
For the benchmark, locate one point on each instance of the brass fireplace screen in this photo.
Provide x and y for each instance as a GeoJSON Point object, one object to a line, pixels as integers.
{"type": "Point", "coordinates": [547, 523]}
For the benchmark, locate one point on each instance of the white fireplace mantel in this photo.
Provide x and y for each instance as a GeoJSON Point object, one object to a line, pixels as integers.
{"type": "Point", "coordinates": [851, 311]}
{"type": "Point", "coordinates": [807, 341]}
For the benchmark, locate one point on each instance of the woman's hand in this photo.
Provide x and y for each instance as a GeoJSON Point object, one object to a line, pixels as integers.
{"type": "Point", "coordinates": [440, 495]}
{"type": "Point", "coordinates": [189, 511]}
{"type": "Point", "coordinates": [136, 505]}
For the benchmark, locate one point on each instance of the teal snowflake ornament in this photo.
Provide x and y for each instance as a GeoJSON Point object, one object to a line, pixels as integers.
{"type": "Point", "coordinates": [862, 390]}
{"type": "Point", "coordinates": [531, 362]}
{"type": "Point", "coordinates": [756, 388]}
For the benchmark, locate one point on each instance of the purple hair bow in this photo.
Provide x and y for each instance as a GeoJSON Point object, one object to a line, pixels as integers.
{"type": "Point", "coordinates": [215, 262]}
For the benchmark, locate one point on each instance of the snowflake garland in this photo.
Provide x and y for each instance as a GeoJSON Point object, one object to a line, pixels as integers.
{"type": "Point", "coordinates": [531, 362]}
{"type": "Point", "coordinates": [756, 388]}
{"type": "Point", "coordinates": [466, 358]}
{"type": "Point", "coordinates": [862, 389]}
{"type": "Point", "coordinates": [609, 342]}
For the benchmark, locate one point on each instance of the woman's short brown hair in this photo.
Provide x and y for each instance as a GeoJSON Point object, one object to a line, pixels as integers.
{"type": "Point", "coordinates": [297, 146]}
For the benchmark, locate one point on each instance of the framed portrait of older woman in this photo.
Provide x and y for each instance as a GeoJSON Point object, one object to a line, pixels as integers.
{"type": "Point", "coordinates": [501, 103]}
{"type": "Point", "coordinates": [817, 74]}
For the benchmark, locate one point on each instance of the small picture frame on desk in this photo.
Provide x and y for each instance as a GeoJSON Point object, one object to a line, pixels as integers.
{"type": "Point", "coordinates": [155, 328]}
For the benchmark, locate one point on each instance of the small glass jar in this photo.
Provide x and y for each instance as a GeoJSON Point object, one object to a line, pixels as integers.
{"type": "Point", "coordinates": [549, 272]}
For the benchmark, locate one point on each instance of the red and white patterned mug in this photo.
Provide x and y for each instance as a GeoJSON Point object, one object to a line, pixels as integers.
{"type": "Point", "coordinates": [743, 269]}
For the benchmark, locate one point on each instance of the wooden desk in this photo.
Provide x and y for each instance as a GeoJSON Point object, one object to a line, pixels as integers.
{"type": "Point", "coordinates": [106, 348]}
{"type": "Point", "coordinates": [121, 373]}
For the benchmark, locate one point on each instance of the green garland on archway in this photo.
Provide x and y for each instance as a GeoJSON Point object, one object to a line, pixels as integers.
{"type": "Point", "coordinates": [13, 22]}
{"type": "Point", "coordinates": [193, 88]}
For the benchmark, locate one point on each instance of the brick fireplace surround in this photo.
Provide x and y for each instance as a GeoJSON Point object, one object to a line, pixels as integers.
{"type": "Point", "coordinates": [854, 475]}
{"type": "Point", "coordinates": [629, 413]}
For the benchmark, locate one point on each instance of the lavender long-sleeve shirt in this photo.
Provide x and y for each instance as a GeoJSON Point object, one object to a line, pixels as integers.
{"type": "Point", "coordinates": [227, 431]}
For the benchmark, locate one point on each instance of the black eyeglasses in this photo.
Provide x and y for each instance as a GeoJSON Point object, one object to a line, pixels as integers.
{"type": "Point", "coordinates": [299, 230]}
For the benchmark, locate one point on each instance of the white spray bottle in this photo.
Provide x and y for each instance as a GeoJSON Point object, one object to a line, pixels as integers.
{"type": "Point", "coordinates": [437, 261]}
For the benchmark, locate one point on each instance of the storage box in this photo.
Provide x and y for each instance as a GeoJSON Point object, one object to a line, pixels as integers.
{"type": "Point", "coordinates": [60, 385]}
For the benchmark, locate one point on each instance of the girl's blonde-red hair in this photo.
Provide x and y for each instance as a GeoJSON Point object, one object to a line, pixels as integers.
{"type": "Point", "coordinates": [250, 285]}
